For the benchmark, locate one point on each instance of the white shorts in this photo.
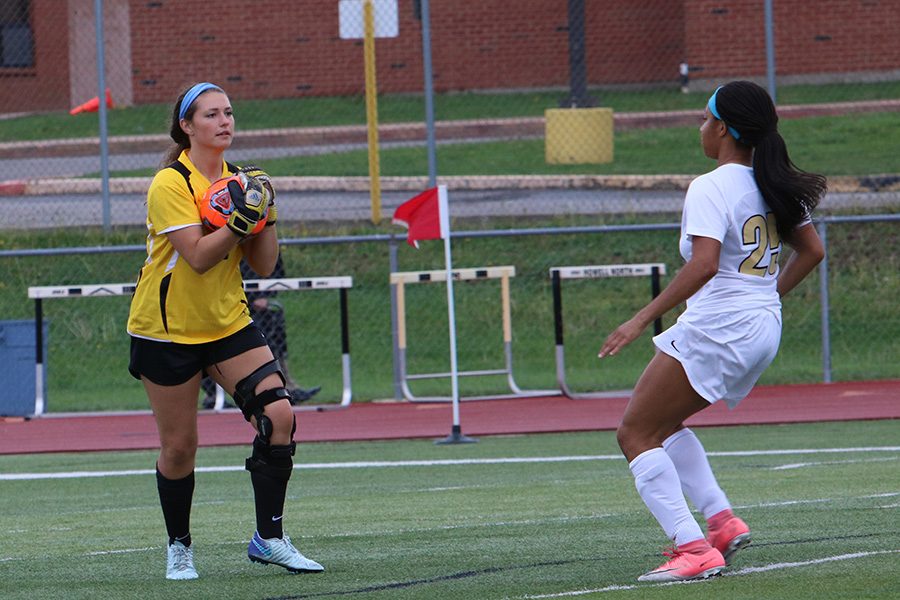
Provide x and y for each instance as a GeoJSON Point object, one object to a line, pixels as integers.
{"type": "Point", "coordinates": [723, 355]}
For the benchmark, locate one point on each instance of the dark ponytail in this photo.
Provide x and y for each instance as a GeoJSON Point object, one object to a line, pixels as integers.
{"type": "Point", "coordinates": [792, 194]}
{"type": "Point", "coordinates": [181, 139]}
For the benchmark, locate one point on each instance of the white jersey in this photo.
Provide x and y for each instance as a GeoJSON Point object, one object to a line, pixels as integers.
{"type": "Point", "coordinates": [731, 329]}
{"type": "Point", "coordinates": [726, 205]}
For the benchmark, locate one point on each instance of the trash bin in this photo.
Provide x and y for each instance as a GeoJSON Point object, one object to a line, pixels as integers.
{"type": "Point", "coordinates": [17, 367]}
{"type": "Point", "coordinates": [578, 136]}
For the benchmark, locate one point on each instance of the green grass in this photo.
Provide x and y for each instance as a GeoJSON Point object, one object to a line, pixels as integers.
{"type": "Point", "coordinates": [88, 347]}
{"type": "Point", "coordinates": [492, 530]}
{"type": "Point", "coordinates": [316, 111]}
{"type": "Point", "coordinates": [846, 145]}
{"type": "Point", "coordinates": [851, 145]}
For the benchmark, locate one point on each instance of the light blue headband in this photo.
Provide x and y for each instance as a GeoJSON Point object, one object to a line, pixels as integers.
{"type": "Point", "coordinates": [192, 94]}
{"type": "Point", "coordinates": [712, 108]}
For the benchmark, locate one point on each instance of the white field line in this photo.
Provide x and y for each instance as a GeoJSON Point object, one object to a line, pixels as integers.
{"type": "Point", "coordinates": [452, 488]}
{"type": "Point", "coordinates": [470, 525]}
{"type": "Point", "coordinates": [744, 571]}
{"type": "Point", "coordinates": [547, 521]}
{"type": "Point", "coordinates": [123, 551]}
{"type": "Point", "coordinates": [782, 503]}
{"type": "Point", "coordinates": [375, 464]}
{"type": "Point", "coordinates": [815, 501]}
{"type": "Point", "coordinates": [803, 465]}
{"type": "Point", "coordinates": [488, 523]}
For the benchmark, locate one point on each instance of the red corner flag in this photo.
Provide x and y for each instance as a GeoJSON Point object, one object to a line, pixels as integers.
{"type": "Point", "coordinates": [425, 216]}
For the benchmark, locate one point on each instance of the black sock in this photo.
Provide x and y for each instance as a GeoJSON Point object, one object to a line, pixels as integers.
{"type": "Point", "coordinates": [175, 497]}
{"type": "Point", "coordinates": [269, 493]}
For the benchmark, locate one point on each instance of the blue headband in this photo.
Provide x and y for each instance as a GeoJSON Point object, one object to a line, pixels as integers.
{"type": "Point", "coordinates": [712, 108]}
{"type": "Point", "coordinates": [192, 94]}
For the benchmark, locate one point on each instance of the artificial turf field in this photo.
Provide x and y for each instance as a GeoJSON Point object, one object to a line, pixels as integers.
{"type": "Point", "coordinates": [538, 516]}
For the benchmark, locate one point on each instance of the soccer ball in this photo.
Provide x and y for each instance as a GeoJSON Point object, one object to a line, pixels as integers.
{"type": "Point", "coordinates": [216, 206]}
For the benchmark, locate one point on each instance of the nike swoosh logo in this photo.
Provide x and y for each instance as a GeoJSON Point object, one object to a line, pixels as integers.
{"type": "Point", "coordinates": [278, 518]}
{"type": "Point", "coordinates": [676, 347]}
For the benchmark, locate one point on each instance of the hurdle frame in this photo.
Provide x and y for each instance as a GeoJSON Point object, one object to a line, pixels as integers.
{"type": "Point", "coordinates": [557, 274]}
{"type": "Point", "coordinates": [400, 279]}
{"type": "Point", "coordinates": [341, 283]}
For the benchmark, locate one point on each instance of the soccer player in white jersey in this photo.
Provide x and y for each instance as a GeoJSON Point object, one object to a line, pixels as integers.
{"type": "Point", "coordinates": [735, 222]}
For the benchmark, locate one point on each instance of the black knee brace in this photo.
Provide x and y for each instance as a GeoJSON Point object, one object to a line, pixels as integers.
{"type": "Point", "coordinates": [252, 404]}
{"type": "Point", "coordinates": [275, 461]}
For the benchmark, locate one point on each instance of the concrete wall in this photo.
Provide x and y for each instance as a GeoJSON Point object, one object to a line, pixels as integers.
{"type": "Point", "coordinates": [116, 50]}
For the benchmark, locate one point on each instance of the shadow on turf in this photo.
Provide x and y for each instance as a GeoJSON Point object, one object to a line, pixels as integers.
{"type": "Point", "coordinates": [453, 576]}
{"type": "Point", "coordinates": [556, 563]}
{"type": "Point", "coordinates": [825, 539]}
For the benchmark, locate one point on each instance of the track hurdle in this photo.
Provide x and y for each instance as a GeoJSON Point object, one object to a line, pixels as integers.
{"type": "Point", "coordinates": [402, 278]}
{"type": "Point", "coordinates": [342, 284]}
{"type": "Point", "coordinates": [557, 274]}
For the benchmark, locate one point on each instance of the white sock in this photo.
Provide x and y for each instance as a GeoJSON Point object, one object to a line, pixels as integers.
{"type": "Point", "coordinates": [657, 482]}
{"type": "Point", "coordinates": [697, 479]}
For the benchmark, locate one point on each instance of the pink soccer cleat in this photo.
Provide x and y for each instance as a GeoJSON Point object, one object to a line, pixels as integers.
{"type": "Point", "coordinates": [729, 536]}
{"type": "Point", "coordinates": [690, 561]}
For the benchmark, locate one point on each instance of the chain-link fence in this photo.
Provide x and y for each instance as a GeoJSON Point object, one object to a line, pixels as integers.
{"type": "Point", "coordinates": [88, 350]}
{"type": "Point", "coordinates": [309, 90]}
{"type": "Point", "coordinates": [537, 115]}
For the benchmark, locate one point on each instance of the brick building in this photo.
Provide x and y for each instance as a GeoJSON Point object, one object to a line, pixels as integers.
{"type": "Point", "coordinates": [291, 48]}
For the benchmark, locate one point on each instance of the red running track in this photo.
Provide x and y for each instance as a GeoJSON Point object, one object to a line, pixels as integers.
{"type": "Point", "coordinates": [398, 420]}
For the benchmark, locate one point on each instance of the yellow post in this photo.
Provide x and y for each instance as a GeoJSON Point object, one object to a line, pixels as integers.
{"type": "Point", "coordinates": [401, 315]}
{"type": "Point", "coordinates": [504, 302]}
{"type": "Point", "coordinates": [372, 108]}
{"type": "Point", "coordinates": [578, 135]}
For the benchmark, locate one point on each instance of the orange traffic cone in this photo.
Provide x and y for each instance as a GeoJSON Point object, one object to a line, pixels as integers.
{"type": "Point", "coordinates": [92, 105]}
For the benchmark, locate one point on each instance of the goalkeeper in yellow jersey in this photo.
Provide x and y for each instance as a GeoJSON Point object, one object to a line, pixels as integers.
{"type": "Point", "coordinates": [189, 317]}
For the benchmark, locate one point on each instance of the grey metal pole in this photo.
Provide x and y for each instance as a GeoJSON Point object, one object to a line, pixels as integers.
{"type": "Point", "coordinates": [429, 94]}
{"type": "Point", "coordinates": [104, 133]}
{"type": "Point", "coordinates": [770, 49]}
{"type": "Point", "coordinates": [821, 227]}
{"type": "Point", "coordinates": [578, 94]}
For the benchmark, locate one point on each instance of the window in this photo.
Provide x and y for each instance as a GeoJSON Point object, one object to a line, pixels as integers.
{"type": "Point", "coordinates": [16, 38]}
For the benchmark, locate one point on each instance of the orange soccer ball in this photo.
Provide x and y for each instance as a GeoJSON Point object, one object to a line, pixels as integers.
{"type": "Point", "coordinates": [216, 205]}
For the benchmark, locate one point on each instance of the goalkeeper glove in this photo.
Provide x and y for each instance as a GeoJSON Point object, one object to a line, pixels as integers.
{"type": "Point", "coordinates": [272, 216]}
{"type": "Point", "coordinates": [266, 181]}
{"type": "Point", "coordinates": [250, 204]}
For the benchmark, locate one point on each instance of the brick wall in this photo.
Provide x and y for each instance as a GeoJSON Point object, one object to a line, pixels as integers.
{"type": "Point", "coordinates": [487, 44]}
{"type": "Point", "coordinates": [46, 85]}
{"type": "Point", "coordinates": [839, 35]}
{"type": "Point", "coordinates": [726, 38]}
{"type": "Point", "coordinates": [290, 48]}
{"type": "Point", "coordinates": [634, 41]}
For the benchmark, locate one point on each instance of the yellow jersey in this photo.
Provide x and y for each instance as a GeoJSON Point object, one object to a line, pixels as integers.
{"type": "Point", "coordinates": [172, 302]}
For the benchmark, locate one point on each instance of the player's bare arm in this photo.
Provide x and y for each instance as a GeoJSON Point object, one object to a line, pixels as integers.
{"type": "Point", "coordinates": [261, 251]}
{"type": "Point", "coordinates": [200, 251]}
{"type": "Point", "coordinates": [696, 272]}
{"type": "Point", "coordinates": [808, 252]}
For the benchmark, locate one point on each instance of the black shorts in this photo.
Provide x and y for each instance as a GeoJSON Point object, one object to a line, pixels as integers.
{"type": "Point", "coordinates": [168, 363]}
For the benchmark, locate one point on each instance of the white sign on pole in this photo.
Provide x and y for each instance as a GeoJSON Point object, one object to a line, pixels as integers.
{"type": "Point", "coordinates": [352, 27]}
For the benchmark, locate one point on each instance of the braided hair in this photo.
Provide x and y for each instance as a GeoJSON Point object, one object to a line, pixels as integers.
{"type": "Point", "coordinates": [791, 193]}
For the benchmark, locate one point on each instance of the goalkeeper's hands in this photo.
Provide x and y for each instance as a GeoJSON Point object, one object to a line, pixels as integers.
{"type": "Point", "coordinates": [250, 203]}
{"type": "Point", "coordinates": [266, 181]}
